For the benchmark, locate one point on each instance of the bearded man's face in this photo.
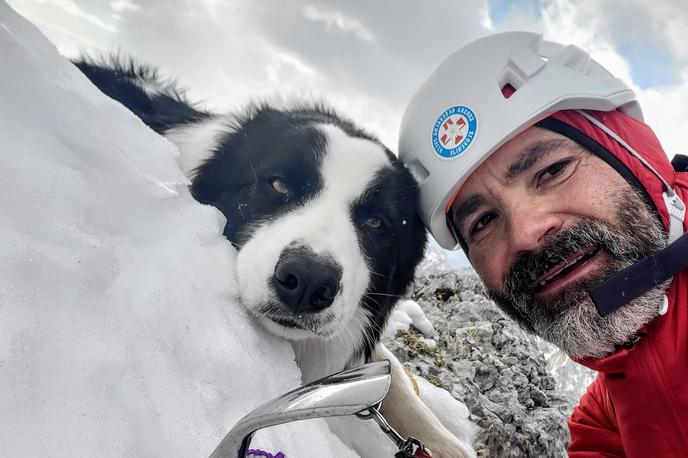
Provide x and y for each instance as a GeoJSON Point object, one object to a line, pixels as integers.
{"type": "Point", "coordinates": [544, 220]}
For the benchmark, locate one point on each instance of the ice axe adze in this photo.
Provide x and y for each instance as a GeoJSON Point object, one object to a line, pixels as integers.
{"type": "Point", "coordinates": [348, 392]}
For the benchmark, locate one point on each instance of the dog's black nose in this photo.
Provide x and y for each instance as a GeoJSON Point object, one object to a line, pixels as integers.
{"type": "Point", "coordinates": [306, 282]}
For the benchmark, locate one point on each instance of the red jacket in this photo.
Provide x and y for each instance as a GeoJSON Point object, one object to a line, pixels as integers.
{"type": "Point", "coordinates": [638, 404]}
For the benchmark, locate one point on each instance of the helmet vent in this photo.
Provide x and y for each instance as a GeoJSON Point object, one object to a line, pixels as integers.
{"type": "Point", "coordinates": [508, 90]}
{"type": "Point", "coordinates": [418, 170]}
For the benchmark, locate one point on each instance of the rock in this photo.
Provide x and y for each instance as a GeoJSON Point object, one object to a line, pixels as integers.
{"type": "Point", "coordinates": [489, 363]}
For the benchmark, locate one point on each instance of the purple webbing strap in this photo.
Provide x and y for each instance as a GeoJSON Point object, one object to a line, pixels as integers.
{"type": "Point", "coordinates": [640, 277]}
{"type": "Point", "coordinates": [263, 453]}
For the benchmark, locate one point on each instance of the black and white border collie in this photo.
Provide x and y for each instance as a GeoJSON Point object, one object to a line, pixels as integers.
{"type": "Point", "coordinates": [322, 214]}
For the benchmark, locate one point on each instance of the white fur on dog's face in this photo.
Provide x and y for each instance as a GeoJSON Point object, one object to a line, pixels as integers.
{"type": "Point", "coordinates": [323, 225]}
{"type": "Point", "coordinates": [197, 141]}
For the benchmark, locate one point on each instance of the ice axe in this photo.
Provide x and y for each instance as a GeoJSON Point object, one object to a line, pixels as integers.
{"type": "Point", "coordinates": [358, 391]}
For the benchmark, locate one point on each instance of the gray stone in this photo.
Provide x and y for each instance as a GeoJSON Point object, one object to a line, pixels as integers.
{"type": "Point", "coordinates": [490, 364]}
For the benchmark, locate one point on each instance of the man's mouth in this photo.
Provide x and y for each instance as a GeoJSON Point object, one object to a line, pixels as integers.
{"type": "Point", "coordinates": [566, 271]}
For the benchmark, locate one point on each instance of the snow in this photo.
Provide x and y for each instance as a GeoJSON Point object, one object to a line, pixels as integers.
{"type": "Point", "coordinates": [453, 414]}
{"type": "Point", "coordinates": [408, 313]}
{"type": "Point", "coordinates": [120, 333]}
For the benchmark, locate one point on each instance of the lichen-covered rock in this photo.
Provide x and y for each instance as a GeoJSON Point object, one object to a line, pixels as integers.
{"type": "Point", "coordinates": [487, 362]}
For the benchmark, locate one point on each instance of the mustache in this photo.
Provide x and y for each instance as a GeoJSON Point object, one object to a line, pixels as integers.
{"type": "Point", "coordinates": [588, 235]}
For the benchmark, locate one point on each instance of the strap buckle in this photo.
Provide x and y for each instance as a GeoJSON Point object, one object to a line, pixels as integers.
{"type": "Point", "coordinates": [408, 448]}
{"type": "Point", "coordinates": [677, 213]}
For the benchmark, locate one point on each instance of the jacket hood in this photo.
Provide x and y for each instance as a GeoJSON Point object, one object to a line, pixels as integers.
{"type": "Point", "coordinates": [641, 138]}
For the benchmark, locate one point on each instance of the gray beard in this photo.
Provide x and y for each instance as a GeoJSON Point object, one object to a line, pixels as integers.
{"type": "Point", "coordinates": [569, 318]}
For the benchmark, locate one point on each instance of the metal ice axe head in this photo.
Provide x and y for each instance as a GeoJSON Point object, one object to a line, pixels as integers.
{"type": "Point", "coordinates": [345, 393]}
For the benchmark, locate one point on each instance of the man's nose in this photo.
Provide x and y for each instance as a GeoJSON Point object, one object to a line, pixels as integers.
{"type": "Point", "coordinates": [529, 227]}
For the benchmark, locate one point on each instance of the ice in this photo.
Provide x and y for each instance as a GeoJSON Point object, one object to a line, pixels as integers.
{"type": "Point", "coordinates": [120, 333]}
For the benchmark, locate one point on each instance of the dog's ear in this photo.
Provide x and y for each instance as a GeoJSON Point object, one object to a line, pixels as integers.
{"type": "Point", "coordinates": [219, 176]}
{"type": "Point", "coordinates": [202, 189]}
{"type": "Point", "coordinates": [158, 101]}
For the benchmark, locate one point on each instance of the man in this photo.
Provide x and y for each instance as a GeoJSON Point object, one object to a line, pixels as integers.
{"type": "Point", "coordinates": [535, 160]}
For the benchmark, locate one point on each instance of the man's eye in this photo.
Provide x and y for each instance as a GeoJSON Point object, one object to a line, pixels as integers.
{"type": "Point", "coordinates": [553, 171]}
{"type": "Point", "coordinates": [481, 223]}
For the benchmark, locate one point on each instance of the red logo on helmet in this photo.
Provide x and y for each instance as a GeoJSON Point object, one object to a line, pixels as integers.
{"type": "Point", "coordinates": [453, 131]}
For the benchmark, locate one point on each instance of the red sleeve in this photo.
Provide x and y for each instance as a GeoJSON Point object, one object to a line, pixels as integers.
{"type": "Point", "coordinates": [593, 425]}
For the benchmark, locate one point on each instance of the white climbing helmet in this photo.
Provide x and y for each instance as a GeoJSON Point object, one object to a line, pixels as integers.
{"type": "Point", "coordinates": [460, 116]}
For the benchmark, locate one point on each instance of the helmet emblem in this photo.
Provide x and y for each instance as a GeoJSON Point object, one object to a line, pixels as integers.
{"type": "Point", "coordinates": [454, 131]}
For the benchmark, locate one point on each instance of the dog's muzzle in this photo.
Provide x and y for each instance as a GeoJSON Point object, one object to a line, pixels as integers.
{"type": "Point", "coordinates": [304, 281]}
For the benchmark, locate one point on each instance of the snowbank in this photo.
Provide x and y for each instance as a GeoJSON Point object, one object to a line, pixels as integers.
{"type": "Point", "coordinates": [119, 331]}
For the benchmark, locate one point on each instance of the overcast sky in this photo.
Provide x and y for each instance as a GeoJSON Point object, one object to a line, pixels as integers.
{"type": "Point", "coordinates": [365, 56]}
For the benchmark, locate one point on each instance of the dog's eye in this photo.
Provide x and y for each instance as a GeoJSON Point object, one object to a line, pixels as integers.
{"type": "Point", "coordinates": [279, 185]}
{"type": "Point", "coordinates": [373, 222]}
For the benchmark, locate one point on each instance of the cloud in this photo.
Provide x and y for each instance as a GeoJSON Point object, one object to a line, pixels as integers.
{"type": "Point", "coordinates": [335, 20]}
{"type": "Point", "coordinates": [366, 57]}
{"type": "Point", "coordinates": [73, 9]}
{"type": "Point", "coordinates": [70, 25]}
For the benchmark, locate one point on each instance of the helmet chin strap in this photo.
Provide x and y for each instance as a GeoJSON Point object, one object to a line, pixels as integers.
{"type": "Point", "coordinates": [641, 277]}
{"type": "Point", "coordinates": [651, 272]}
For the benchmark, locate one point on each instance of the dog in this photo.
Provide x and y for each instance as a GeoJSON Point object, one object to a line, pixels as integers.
{"type": "Point", "coordinates": [323, 217]}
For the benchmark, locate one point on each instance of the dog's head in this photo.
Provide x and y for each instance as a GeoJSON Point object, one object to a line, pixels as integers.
{"type": "Point", "coordinates": [323, 217]}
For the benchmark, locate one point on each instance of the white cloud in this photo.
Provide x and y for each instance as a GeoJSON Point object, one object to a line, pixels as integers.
{"type": "Point", "coordinates": [119, 6]}
{"type": "Point", "coordinates": [366, 57]}
{"type": "Point", "coordinates": [335, 20]}
{"type": "Point", "coordinates": [74, 9]}
{"type": "Point", "coordinates": [666, 111]}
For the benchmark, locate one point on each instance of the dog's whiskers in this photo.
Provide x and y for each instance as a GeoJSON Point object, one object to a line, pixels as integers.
{"type": "Point", "coordinates": [383, 294]}
{"type": "Point", "coordinates": [366, 296]}
{"type": "Point", "coordinates": [365, 323]}
{"type": "Point", "coordinates": [378, 273]}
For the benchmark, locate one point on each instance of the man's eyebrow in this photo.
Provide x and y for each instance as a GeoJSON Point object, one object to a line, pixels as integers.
{"type": "Point", "coordinates": [533, 154]}
{"type": "Point", "coordinates": [467, 207]}
{"type": "Point", "coordinates": [525, 161]}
